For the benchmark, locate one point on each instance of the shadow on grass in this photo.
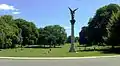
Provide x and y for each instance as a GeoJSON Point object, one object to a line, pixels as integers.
{"type": "Point", "coordinates": [80, 46]}
{"type": "Point", "coordinates": [83, 46]}
{"type": "Point", "coordinates": [105, 51]}
{"type": "Point", "coordinates": [86, 50]}
{"type": "Point", "coordinates": [111, 51]}
{"type": "Point", "coordinates": [46, 47]}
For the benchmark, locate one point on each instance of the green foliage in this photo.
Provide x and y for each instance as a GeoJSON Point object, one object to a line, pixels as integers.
{"type": "Point", "coordinates": [97, 26]}
{"type": "Point", "coordinates": [22, 32]}
{"type": "Point", "coordinates": [16, 31]}
{"type": "Point", "coordinates": [8, 30]}
{"type": "Point", "coordinates": [113, 29]}
{"type": "Point", "coordinates": [76, 39]}
{"type": "Point", "coordinates": [68, 39]}
{"type": "Point", "coordinates": [29, 31]}
{"type": "Point", "coordinates": [83, 39]}
{"type": "Point", "coordinates": [52, 35]}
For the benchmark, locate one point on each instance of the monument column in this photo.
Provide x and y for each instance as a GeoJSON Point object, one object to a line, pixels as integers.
{"type": "Point", "coordinates": [72, 48]}
{"type": "Point", "coordinates": [72, 21]}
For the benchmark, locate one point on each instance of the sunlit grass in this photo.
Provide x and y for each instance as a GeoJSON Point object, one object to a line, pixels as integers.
{"type": "Point", "coordinates": [42, 52]}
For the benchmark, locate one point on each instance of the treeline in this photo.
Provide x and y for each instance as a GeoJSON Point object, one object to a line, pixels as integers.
{"type": "Point", "coordinates": [76, 39]}
{"type": "Point", "coordinates": [103, 28]}
{"type": "Point", "coordinates": [21, 32]}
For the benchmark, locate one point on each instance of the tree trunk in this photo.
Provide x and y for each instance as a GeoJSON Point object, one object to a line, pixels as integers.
{"type": "Point", "coordinates": [44, 45]}
{"type": "Point", "coordinates": [113, 47]}
{"type": "Point", "coordinates": [85, 48]}
{"type": "Point", "coordinates": [50, 46]}
{"type": "Point", "coordinates": [94, 48]}
{"type": "Point", "coordinates": [54, 46]}
{"type": "Point", "coordinates": [21, 47]}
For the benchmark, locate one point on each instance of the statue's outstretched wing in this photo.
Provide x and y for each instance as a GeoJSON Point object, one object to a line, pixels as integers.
{"type": "Point", "coordinates": [75, 9]}
{"type": "Point", "coordinates": [70, 9]}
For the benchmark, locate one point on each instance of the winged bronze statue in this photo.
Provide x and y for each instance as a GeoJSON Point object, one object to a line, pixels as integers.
{"type": "Point", "coordinates": [72, 12]}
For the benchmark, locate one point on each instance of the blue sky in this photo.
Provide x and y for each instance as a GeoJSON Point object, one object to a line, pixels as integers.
{"type": "Point", "coordinates": [50, 12]}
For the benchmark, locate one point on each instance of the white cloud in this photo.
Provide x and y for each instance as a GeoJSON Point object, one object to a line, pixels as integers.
{"type": "Point", "coordinates": [7, 7]}
{"type": "Point", "coordinates": [16, 12]}
{"type": "Point", "coordinates": [67, 28]}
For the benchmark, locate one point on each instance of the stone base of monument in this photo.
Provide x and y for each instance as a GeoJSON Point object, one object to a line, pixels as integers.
{"type": "Point", "coordinates": [72, 49]}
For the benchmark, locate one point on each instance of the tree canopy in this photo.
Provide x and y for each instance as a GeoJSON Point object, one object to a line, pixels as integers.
{"type": "Point", "coordinates": [22, 32]}
{"type": "Point", "coordinates": [53, 35]}
{"type": "Point", "coordinates": [100, 27]}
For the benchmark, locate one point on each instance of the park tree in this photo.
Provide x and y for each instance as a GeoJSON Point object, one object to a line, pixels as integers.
{"type": "Point", "coordinates": [113, 30]}
{"type": "Point", "coordinates": [2, 38]}
{"type": "Point", "coordinates": [58, 33]}
{"type": "Point", "coordinates": [68, 39]}
{"type": "Point", "coordinates": [29, 31]}
{"type": "Point", "coordinates": [83, 36]}
{"type": "Point", "coordinates": [9, 31]}
{"type": "Point", "coordinates": [52, 35]}
{"type": "Point", "coordinates": [43, 36]}
{"type": "Point", "coordinates": [97, 25]}
{"type": "Point", "coordinates": [23, 32]}
{"type": "Point", "coordinates": [76, 39]}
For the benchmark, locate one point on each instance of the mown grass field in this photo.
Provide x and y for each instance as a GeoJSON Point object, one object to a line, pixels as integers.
{"type": "Point", "coordinates": [43, 52]}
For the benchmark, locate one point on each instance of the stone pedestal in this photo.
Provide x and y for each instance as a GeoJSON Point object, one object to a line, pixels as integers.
{"type": "Point", "coordinates": [72, 48]}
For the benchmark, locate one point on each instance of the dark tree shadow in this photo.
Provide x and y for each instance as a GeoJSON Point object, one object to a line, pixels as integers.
{"type": "Point", "coordinates": [84, 50]}
{"type": "Point", "coordinates": [45, 47]}
{"type": "Point", "coordinates": [105, 50]}
{"type": "Point", "coordinates": [111, 51]}
{"type": "Point", "coordinates": [83, 46]}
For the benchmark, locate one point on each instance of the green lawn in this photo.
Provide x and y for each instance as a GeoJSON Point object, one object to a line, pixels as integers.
{"type": "Point", "coordinates": [40, 52]}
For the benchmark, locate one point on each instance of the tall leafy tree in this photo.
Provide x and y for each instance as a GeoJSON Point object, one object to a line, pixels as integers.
{"type": "Point", "coordinates": [83, 36]}
{"type": "Point", "coordinates": [68, 39]}
{"type": "Point", "coordinates": [99, 22]}
{"type": "Point", "coordinates": [52, 35]}
{"type": "Point", "coordinates": [113, 30]}
{"type": "Point", "coordinates": [8, 30]}
{"type": "Point", "coordinates": [29, 31]}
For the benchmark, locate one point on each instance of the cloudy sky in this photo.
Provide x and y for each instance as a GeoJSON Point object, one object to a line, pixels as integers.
{"type": "Point", "coordinates": [50, 12]}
